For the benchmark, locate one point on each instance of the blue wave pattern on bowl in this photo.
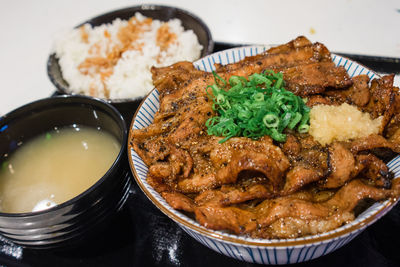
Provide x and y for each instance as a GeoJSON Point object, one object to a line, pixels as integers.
{"type": "Point", "coordinates": [262, 251]}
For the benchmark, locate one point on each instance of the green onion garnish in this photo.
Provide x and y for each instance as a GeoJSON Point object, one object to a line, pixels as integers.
{"type": "Point", "coordinates": [255, 107]}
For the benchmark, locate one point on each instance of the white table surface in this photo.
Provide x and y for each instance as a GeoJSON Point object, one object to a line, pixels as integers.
{"type": "Point", "coordinates": [28, 28]}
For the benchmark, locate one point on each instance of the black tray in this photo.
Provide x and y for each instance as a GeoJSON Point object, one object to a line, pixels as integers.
{"type": "Point", "coordinates": [140, 235]}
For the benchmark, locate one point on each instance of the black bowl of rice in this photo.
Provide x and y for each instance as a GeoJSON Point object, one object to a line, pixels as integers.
{"type": "Point", "coordinates": [110, 56]}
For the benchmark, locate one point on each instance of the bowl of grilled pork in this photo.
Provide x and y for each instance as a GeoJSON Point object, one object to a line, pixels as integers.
{"type": "Point", "coordinates": [270, 155]}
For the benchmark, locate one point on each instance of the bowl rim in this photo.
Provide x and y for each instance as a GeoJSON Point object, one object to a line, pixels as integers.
{"type": "Point", "coordinates": [311, 240]}
{"type": "Point", "coordinates": [76, 99]}
{"type": "Point", "coordinates": [61, 89]}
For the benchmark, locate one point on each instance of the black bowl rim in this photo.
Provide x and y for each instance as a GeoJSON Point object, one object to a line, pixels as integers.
{"type": "Point", "coordinates": [138, 8]}
{"type": "Point", "coordinates": [76, 99]}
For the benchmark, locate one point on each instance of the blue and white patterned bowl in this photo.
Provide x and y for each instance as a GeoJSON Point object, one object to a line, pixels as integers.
{"type": "Point", "coordinates": [264, 251]}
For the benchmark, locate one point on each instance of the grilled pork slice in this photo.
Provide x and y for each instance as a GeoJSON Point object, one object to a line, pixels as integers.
{"type": "Point", "coordinates": [315, 78]}
{"type": "Point", "coordinates": [236, 193]}
{"type": "Point", "coordinates": [341, 164]}
{"type": "Point", "coordinates": [178, 201]}
{"type": "Point", "coordinates": [322, 216]}
{"type": "Point", "coordinates": [236, 155]}
{"type": "Point", "coordinates": [382, 101]}
{"type": "Point", "coordinates": [288, 48]}
{"type": "Point", "coordinates": [358, 94]}
{"type": "Point", "coordinates": [307, 54]}
{"type": "Point", "coordinates": [300, 41]}
{"type": "Point", "coordinates": [171, 78]}
{"type": "Point", "coordinates": [290, 227]}
{"type": "Point", "coordinates": [298, 177]}
{"type": "Point", "coordinates": [373, 142]}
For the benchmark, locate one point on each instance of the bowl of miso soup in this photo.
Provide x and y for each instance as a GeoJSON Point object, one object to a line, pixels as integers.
{"type": "Point", "coordinates": [63, 170]}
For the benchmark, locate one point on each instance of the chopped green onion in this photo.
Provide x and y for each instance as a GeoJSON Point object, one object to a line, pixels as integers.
{"type": "Point", "coordinates": [258, 97]}
{"type": "Point", "coordinates": [280, 137]}
{"type": "Point", "coordinates": [285, 121]}
{"type": "Point", "coordinates": [220, 99]}
{"type": "Point", "coordinates": [303, 128]}
{"type": "Point", "coordinates": [271, 120]}
{"type": "Point", "coordinates": [219, 80]}
{"type": "Point", "coordinates": [278, 83]}
{"type": "Point", "coordinates": [255, 107]}
{"type": "Point", "coordinates": [294, 121]}
{"type": "Point", "coordinates": [305, 118]}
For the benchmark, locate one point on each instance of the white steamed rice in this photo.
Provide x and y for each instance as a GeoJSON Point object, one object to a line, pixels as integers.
{"type": "Point", "coordinates": [131, 76]}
